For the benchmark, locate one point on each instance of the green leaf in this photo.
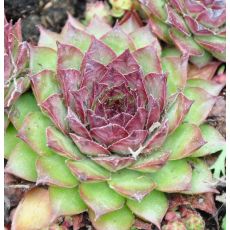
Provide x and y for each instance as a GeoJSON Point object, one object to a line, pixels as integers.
{"type": "Point", "coordinates": [175, 176]}
{"type": "Point", "coordinates": [10, 140]}
{"type": "Point", "coordinates": [33, 132]}
{"type": "Point", "coordinates": [117, 40]}
{"type": "Point", "coordinates": [131, 184]}
{"type": "Point", "coordinates": [121, 219]}
{"type": "Point", "coordinates": [183, 141]}
{"type": "Point", "coordinates": [176, 67]}
{"type": "Point", "coordinates": [100, 198]}
{"type": "Point", "coordinates": [203, 103]}
{"type": "Point", "coordinates": [151, 162]}
{"type": "Point", "coordinates": [22, 162]}
{"type": "Point", "coordinates": [52, 170]}
{"type": "Point", "coordinates": [215, 141]}
{"type": "Point", "coordinates": [202, 180]}
{"type": "Point", "coordinates": [62, 144]}
{"type": "Point", "coordinates": [33, 210]}
{"type": "Point", "coordinates": [65, 201]}
{"type": "Point", "coordinates": [19, 111]}
{"type": "Point", "coordinates": [210, 86]}
{"type": "Point", "coordinates": [42, 58]}
{"type": "Point", "coordinates": [87, 170]}
{"type": "Point", "coordinates": [152, 208]}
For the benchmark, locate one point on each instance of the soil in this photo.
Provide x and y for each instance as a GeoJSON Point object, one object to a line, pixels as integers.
{"type": "Point", "coordinates": [52, 14]}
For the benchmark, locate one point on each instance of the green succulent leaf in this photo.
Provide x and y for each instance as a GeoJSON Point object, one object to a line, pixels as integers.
{"type": "Point", "coordinates": [33, 210]}
{"type": "Point", "coordinates": [33, 132]}
{"type": "Point", "coordinates": [39, 57]}
{"type": "Point", "coordinates": [175, 176]}
{"type": "Point", "coordinates": [202, 180]}
{"type": "Point", "coordinates": [131, 184]}
{"type": "Point", "coordinates": [101, 198]}
{"type": "Point", "coordinates": [62, 144]}
{"type": "Point", "coordinates": [19, 111]}
{"type": "Point", "coordinates": [65, 201]}
{"type": "Point", "coordinates": [215, 141]}
{"type": "Point", "coordinates": [10, 140]}
{"type": "Point", "coordinates": [152, 208]}
{"type": "Point", "coordinates": [52, 170]}
{"type": "Point", "coordinates": [203, 103]}
{"type": "Point", "coordinates": [183, 141]}
{"type": "Point", "coordinates": [210, 86]}
{"type": "Point", "coordinates": [22, 162]}
{"type": "Point", "coordinates": [87, 170]}
{"type": "Point", "coordinates": [121, 219]}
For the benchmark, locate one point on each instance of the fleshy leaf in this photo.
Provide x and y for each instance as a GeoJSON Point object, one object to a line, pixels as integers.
{"type": "Point", "coordinates": [202, 180]}
{"type": "Point", "coordinates": [157, 8]}
{"type": "Point", "coordinates": [18, 111]}
{"type": "Point", "coordinates": [69, 57]}
{"type": "Point", "coordinates": [156, 86]}
{"type": "Point", "coordinates": [100, 52]}
{"type": "Point", "coordinates": [151, 162]}
{"type": "Point", "coordinates": [44, 84]}
{"type": "Point", "coordinates": [33, 210]}
{"type": "Point", "coordinates": [210, 86]}
{"type": "Point", "coordinates": [48, 38]}
{"type": "Point", "coordinates": [87, 170]}
{"type": "Point", "coordinates": [177, 111]}
{"type": "Point", "coordinates": [215, 141]}
{"type": "Point", "coordinates": [10, 140]}
{"type": "Point", "coordinates": [98, 27]}
{"type": "Point", "coordinates": [39, 57]}
{"type": "Point", "coordinates": [176, 67]}
{"type": "Point", "coordinates": [148, 58]}
{"type": "Point", "coordinates": [206, 72]}
{"type": "Point", "coordinates": [185, 44]}
{"type": "Point", "coordinates": [175, 176]}
{"type": "Point", "coordinates": [131, 184]}
{"type": "Point", "coordinates": [56, 110]}
{"type": "Point", "coordinates": [161, 29]}
{"type": "Point", "coordinates": [121, 219]}
{"type": "Point", "coordinates": [144, 37]}
{"type": "Point", "coordinates": [117, 40]}
{"type": "Point", "coordinates": [89, 147]}
{"type": "Point", "coordinates": [108, 134]}
{"type": "Point", "coordinates": [52, 170]}
{"type": "Point", "coordinates": [183, 141]}
{"type": "Point", "coordinates": [130, 22]}
{"type": "Point", "coordinates": [33, 132]}
{"type": "Point", "coordinates": [114, 163]}
{"type": "Point", "coordinates": [125, 63]}
{"type": "Point", "coordinates": [62, 144]}
{"type": "Point", "coordinates": [203, 103]}
{"type": "Point", "coordinates": [22, 161]}
{"type": "Point", "coordinates": [76, 125]}
{"type": "Point", "coordinates": [177, 21]}
{"type": "Point", "coordinates": [133, 142]}
{"type": "Point", "coordinates": [100, 198]}
{"type": "Point", "coordinates": [76, 37]}
{"type": "Point", "coordinates": [152, 208]}
{"type": "Point", "coordinates": [65, 201]}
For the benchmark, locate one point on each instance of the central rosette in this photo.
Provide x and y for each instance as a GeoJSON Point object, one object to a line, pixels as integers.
{"type": "Point", "coordinates": [108, 105]}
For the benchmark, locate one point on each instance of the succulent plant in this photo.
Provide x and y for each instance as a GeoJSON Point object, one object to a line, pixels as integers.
{"type": "Point", "coordinates": [195, 27]}
{"type": "Point", "coordinates": [16, 61]}
{"type": "Point", "coordinates": [174, 225]}
{"type": "Point", "coordinates": [112, 125]}
{"type": "Point", "coordinates": [194, 221]}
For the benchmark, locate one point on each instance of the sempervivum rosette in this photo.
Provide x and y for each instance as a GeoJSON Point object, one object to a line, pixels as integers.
{"type": "Point", "coordinates": [195, 27]}
{"type": "Point", "coordinates": [116, 127]}
{"type": "Point", "coordinates": [16, 61]}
